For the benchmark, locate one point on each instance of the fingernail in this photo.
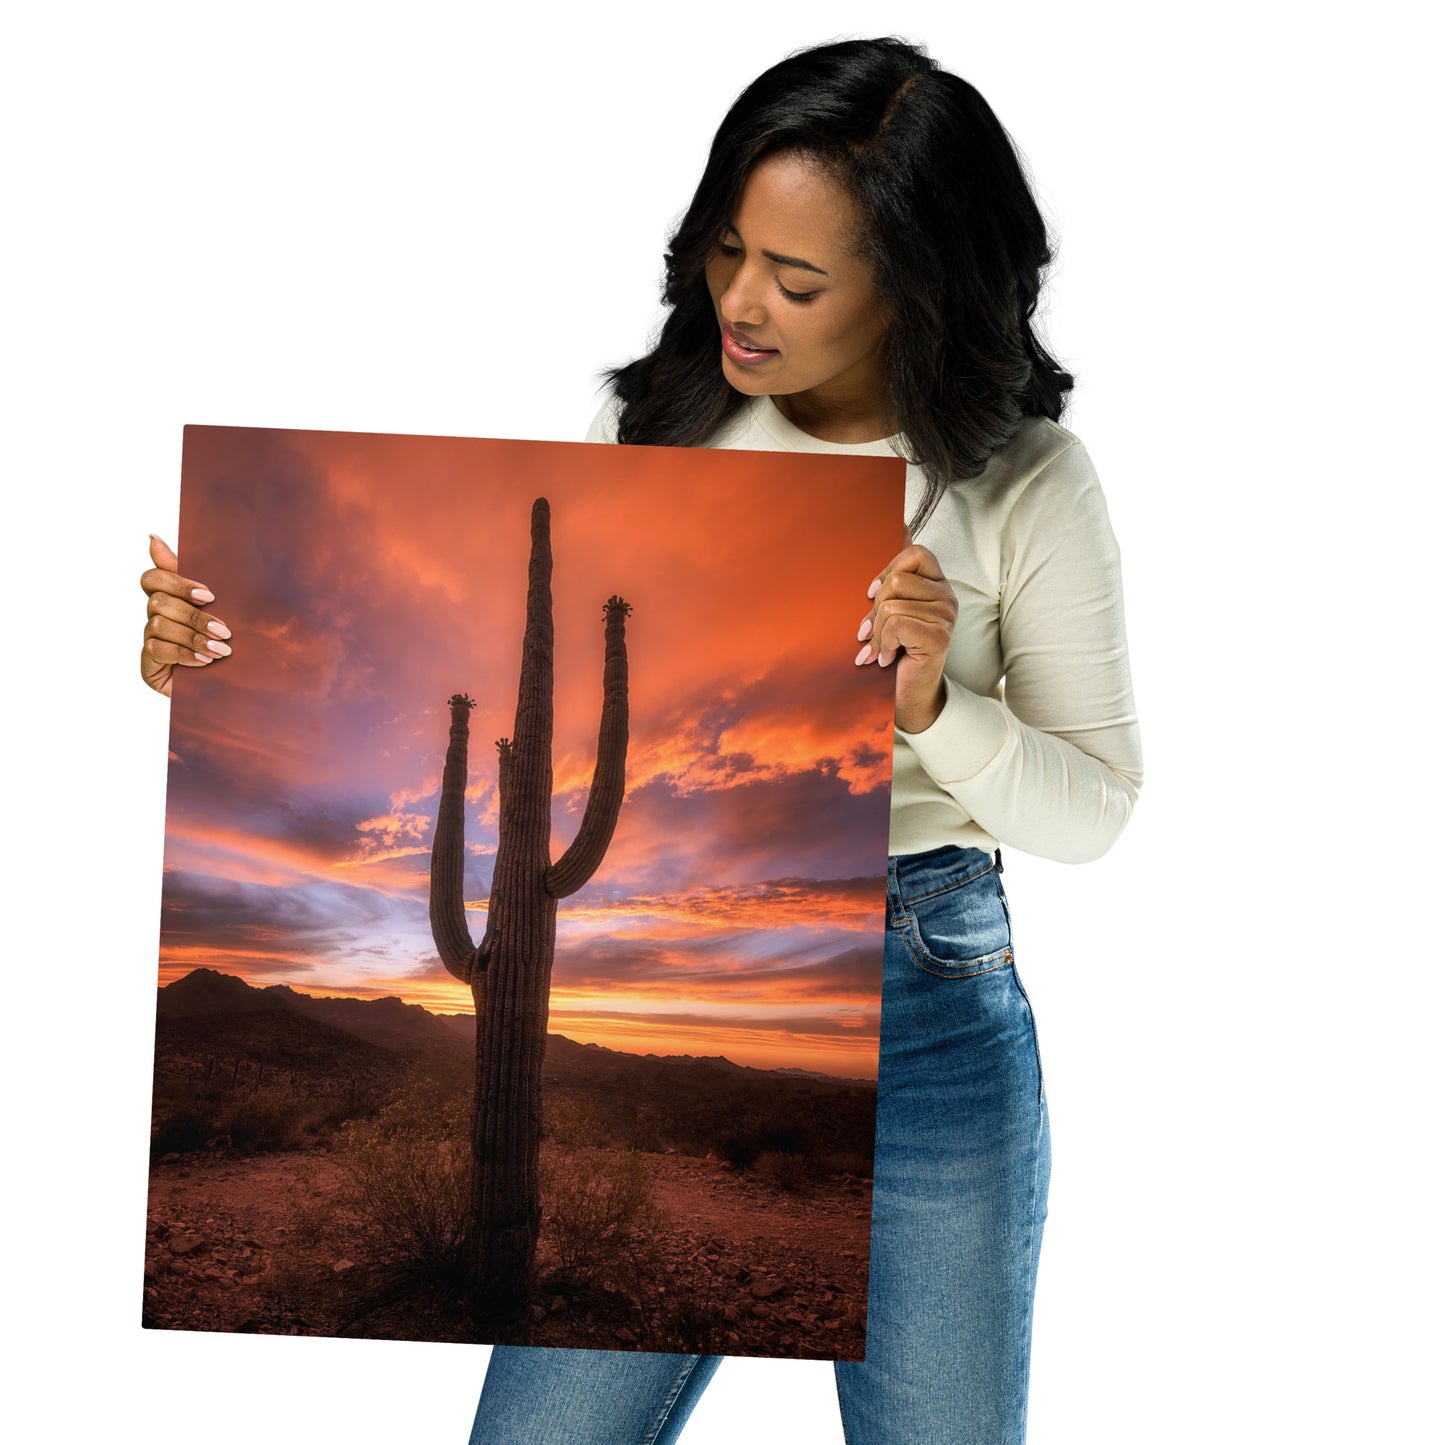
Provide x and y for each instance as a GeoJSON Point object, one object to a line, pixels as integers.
{"type": "Point", "coordinates": [866, 629]}
{"type": "Point", "coordinates": [203, 657]}
{"type": "Point", "coordinates": [873, 590]}
{"type": "Point", "coordinates": [219, 628]}
{"type": "Point", "coordinates": [219, 648]}
{"type": "Point", "coordinates": [862, 657]}
{"type": "Point", "coordinates": [201, 595]}
{"type": "Point", "coordinates": [155, 538]}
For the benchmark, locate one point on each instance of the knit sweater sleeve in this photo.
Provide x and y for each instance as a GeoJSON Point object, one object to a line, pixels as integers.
{"type": "Point", "coordinates": [1052, 766]}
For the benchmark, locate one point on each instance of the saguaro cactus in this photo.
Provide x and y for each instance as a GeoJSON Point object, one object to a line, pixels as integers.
{"type": "Point", "coordinates": [510, 971]}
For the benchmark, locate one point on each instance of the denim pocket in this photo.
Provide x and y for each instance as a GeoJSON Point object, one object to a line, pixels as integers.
{"type": "Point", "coordinates": [961, 929]}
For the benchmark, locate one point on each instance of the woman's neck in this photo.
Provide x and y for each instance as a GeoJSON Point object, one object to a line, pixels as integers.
{"type": "Point", "coordinates": [847, 421]}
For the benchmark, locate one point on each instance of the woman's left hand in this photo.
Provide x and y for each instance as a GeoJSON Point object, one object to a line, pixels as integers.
{"type": "Point", "coordinates": [911, 622]}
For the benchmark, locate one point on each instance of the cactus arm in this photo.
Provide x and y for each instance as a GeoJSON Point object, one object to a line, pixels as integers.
{"type": "Point", "coordinates": [449, 929]}
{"type": "Point", "coordinates": [588, 848]}
{"type": "Point", "coordinates": [504, 770]}
{"type": "Point", "coordinates": [483, 954]}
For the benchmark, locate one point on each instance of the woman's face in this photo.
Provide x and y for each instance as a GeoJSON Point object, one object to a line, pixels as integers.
{"type": "Point", "coordinates": [796, 304]}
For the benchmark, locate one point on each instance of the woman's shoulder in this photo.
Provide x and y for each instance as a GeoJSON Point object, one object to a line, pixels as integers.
{"type": "Point", "coordinates": [1039, 447]}
{"type": "Point", "coordinates": [1039, 481]}
{"type": "Point", "coordinates": [1042, 466]}
{"type": "Point", "coordinates": [604, 424]}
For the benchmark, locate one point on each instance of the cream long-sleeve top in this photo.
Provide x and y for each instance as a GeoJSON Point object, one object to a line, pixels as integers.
{"type": "Point", "coordinates": [1037, 746]}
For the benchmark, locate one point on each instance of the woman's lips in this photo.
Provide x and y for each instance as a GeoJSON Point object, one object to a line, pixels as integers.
{"type": "Point", "coordinates": [741, 349]}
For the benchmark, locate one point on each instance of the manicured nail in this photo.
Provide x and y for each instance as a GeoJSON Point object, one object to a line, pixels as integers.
{"type": "Point", "coordinates": [873, 589]}
{"type": "Point", "coordinates": [862, 657]}
{"type": "Point", "coordinates": [866, 630]}
{"type": "Point", "coordinates": [201, 595]}
{"type": "Point", "coordinates": [219, 648]}
{"type": "Point", "coordinates": [218, 628]}
{"type": "Point", "coordinates": [203, 657]}
{"type": "Point", "coordinates": [155, 538]}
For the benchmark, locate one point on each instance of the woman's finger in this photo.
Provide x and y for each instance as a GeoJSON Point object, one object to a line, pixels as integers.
{"type": "Point", "coordinates": [160, 579]}
{"type": "Point", "coordinates": [914, 627]}
{"type": "Point", "coordinates": [922, 635]}
{"type": "Point", "coordinates": [174, 654]}
{"type": "Point", "coordinates": [199, 643]}
{"type": "Point", "coordinates": [911, 584]}
{"type": "Point", "coordinates": [164, 576]}
{"type": "Point", "coordinates": [911, 559]}
{"type": "Point", "coordinates": [908, 595]}
{"type": "Point", "coordinates": [166, 605]}
{"type": "Point", "coordinates": [914, 608]}
{"type": "Point", "coordinates": [162, 555]}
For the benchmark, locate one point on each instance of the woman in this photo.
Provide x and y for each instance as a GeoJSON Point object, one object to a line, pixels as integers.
{"type": "Point", "coordinates": [857, 273]}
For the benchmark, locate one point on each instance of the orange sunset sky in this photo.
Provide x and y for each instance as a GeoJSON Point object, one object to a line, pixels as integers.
{"type": "Point", "coordinates": [365, 578]}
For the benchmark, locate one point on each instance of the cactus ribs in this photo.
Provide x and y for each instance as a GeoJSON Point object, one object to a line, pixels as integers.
{"type": "Point", "coordinates": [510, 971]}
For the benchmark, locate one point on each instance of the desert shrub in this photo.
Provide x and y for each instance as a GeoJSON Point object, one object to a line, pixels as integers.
{"type": "Point", "coordinates": [740, 1149]}
{"type": "Point", "coordinates": [689, 1326]}
{"type": "Point", "coordinates": [777, 1140]}
{"type": "Point", "coordinates": [407, 1180]}
{"type": "Point", "coordinates": [787, 1171]}
{"type": "Point", "coordinates": [310, 1209]}
{"type": "Point", "coordinates": [427, 1104]}
{"type": "Point", "coordinates": [569, 1121]}
{"type": "Point", "coordinates": [330, 1112]}
{"type": "Point", "coordinates": [690, 1320]}
{"type": "Point", "coordinates": [265, 1118]}
{"type": "Point", "coordinates": [179, 1130]}
{"type": "Point", "coordinates": [645, 1130]}
{"type": "Point", "coordinates": [600, 1220]}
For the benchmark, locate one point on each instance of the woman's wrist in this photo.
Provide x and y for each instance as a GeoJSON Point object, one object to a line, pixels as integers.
{"type": "Point", "coordinates": [913, 716]}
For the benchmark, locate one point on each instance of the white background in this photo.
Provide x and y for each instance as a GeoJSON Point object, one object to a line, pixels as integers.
{"type": "Point", "coordinates": [335, 217]}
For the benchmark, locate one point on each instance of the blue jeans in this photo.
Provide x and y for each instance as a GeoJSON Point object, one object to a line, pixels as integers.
{"type": "Point", "coordinates": [961, 1176]}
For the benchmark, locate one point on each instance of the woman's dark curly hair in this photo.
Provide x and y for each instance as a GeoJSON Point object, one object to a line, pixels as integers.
{"type": "Point", "coordinates": [950, 228]}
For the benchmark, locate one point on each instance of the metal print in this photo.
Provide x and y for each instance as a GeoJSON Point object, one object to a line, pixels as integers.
{"type": "Point", "coordinates": [521, 931]}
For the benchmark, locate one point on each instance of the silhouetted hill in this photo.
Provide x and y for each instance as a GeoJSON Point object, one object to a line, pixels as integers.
{"type": "Point", "coordinates": [274, 1038]}
{"type": "Point", "coordinates": [406, 1027]}
{"type": "Point", "coordinates": [205, 991]}
{"type": "Point", "coordinates": [266, 1035]}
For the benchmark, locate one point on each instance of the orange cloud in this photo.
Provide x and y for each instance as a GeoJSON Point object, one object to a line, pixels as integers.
{"type": "Point", "coordinates": [852, 904]}
{"type": "Point", "coordinates": [391, 835]}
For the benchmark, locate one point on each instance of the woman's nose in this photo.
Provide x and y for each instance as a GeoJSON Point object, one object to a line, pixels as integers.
{"type": "Point", "coordinates": [741, 303]}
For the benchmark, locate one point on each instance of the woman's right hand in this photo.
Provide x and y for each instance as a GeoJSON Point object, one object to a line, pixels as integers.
{"type": "Point", "coordinates": [178, 632]}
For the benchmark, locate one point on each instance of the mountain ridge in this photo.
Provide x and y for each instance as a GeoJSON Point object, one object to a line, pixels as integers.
{"type": "Point", "coordinates": [407, 1027]}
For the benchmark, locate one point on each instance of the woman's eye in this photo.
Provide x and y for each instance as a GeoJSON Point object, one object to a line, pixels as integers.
{"type": "Point", "coordinates": [726, 248]}
{"type": "Point", "coordinates": [796, 295]}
